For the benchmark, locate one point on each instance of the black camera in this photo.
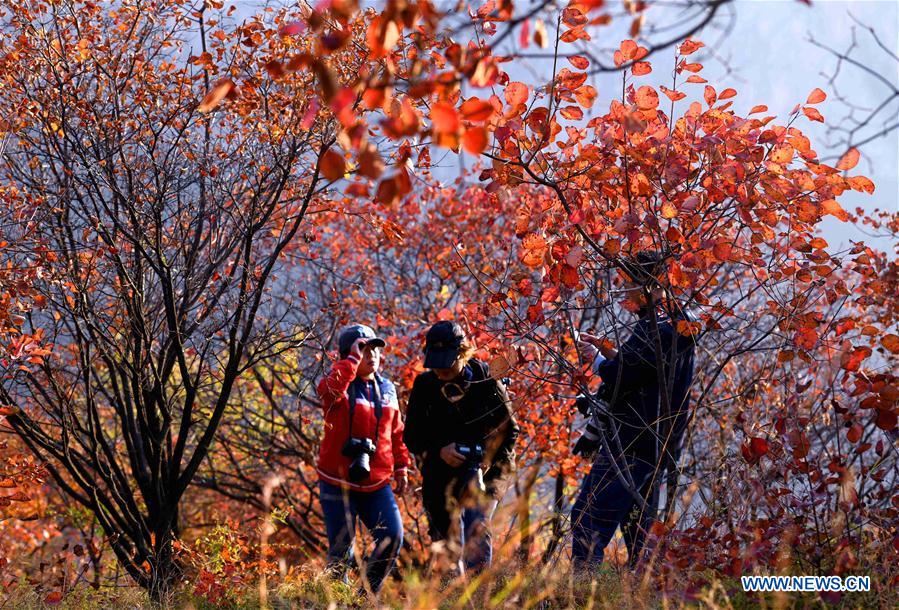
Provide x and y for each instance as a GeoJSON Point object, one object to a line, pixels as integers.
{"type": "Point", "coordinates": [472, 475]}
{"type": "Point", "coordinates": [360, 450]}
{"type": "Point", "coordinates": [474, 454]}
{"type": "Point", "coordinates": [582, 404]}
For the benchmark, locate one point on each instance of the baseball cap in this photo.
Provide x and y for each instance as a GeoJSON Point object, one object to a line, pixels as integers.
{"type": "Point", "coordinates": [349, 335]}
{"type": "Point", "coordinates": [442, 344]}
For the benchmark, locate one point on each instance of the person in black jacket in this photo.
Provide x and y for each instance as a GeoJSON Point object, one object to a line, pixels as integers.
{"type": "Point", "coordinates": [637, 417]}
{"type": "Point", "coordinates": [460, 426]}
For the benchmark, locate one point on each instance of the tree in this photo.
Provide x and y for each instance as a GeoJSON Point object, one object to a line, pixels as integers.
{"type": "Point", "coordinates": [168, 224]}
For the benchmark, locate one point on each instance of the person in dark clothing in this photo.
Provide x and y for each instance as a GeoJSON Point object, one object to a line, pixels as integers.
{"type": "Point", "coordinates": [460, 426]}
{"type": "Point", "coordinates": [637, 418]}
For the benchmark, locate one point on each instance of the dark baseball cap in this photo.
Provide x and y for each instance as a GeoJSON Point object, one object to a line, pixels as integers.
{"type": "Point", "coordinates": [442, 344]}
{"type": "Point", "coordinates": [349, 335]}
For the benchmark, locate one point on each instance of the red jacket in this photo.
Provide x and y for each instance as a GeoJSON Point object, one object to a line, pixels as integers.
{"type": "Point", "coordinates": [390, 455]}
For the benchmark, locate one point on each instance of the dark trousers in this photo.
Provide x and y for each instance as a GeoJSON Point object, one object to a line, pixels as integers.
{"type": "Point", "coordinates": [380, 514]}
{"type": "Point", "coordinates": [460, 517]}
{"type": "Point", "coordinates": [604, 504]}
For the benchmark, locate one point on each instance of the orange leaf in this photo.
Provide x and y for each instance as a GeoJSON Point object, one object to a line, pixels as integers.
{"type": "Point", "coordinates": [830, 206]}
{"type": "Point", "coordinates": [861, 183]}
{"type": "Point", "coordinates": [534, 248]}
{"type": "Point", "coordinates": [585, 96]}
{"type": "Point", "coordinates": [849, 160]}
{"type": "Point", "coordinates": [816, 96]}
{"type": "Point", "coordinates": [516, 93]}
{"type": "Point", "coordinates": [647, 98]}
{"type": "Point", "coordinates": [444, 118]}
{"type": "Point", "coordinates": [891, 342]}
{"type": "Point", "coordinates": [782, 155]}
{"type": "Point", "coordinates": [813, 114]}
{"type": "Point", "coordinates": [222, 89]}
{"type": "Point", "coordinates": [668, 210]}
{"type": "Point", "coordinates": [710, 95]}
{"type": "Point", "coordinates": [696, 79]}
{"type": "Point", "coordinates": [759, 108]}
{"type": "Point", "coordinates": [474, 109]}
{"type": "Point", "coordinates": [474, 140]}
{"type": "Point", "coordinates": [672, 94]}
{"type": "Point", "coordinates": [332, 165]}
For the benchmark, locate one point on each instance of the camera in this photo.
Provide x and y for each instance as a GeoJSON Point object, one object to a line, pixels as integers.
{"type": "Point", "coordinates": [474, 454]}
{"type": "Point", "coordinates": [360, 450]}
{"type": "Point", "coordinates": [582, 404]}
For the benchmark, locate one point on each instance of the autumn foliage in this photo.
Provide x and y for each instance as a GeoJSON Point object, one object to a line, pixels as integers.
{"type": "Point", "coordinates": [194, 205]}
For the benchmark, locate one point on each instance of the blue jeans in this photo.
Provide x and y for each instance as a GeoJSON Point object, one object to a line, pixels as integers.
{"type": "Point", "coordinates": [604, 504]}
{"type": "Point", "coordinates": [380, 514]}
{"type": "Point", "coordinates": [477, 542]}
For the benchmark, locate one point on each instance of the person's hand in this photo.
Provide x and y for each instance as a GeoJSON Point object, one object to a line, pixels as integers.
{"type": "Point", "coordinates": [607, 351]}
{"type": "Point", "coordinates": [402, 481]}
{"type": "Point", "coordinates": [357, 347]}
{"type": "Point", "coordinates": [589, 339]}
{"type": "Point", "coordinates": [587, 351]}
{"type": "Point", "coordinates": [452, 457]}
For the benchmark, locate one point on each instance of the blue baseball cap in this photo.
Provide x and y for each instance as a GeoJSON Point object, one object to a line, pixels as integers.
{"type": "Point", "coordinates": [349, 335]}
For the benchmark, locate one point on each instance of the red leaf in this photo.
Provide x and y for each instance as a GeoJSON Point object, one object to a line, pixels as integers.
{"type": "Point", "coordinates": [641, 68]}
{"type": "Point", "coordinates": [474, 140]}
{"type": "Point", "coordinates": [53, 598]}
{"type": "Point", "coordinates": [292, 29]}
{"type": "Point", "coordinates": [727, 94]}
{"type": "Point", "coordinates": [710, 95]}
{"type": "Point", "coordinates": [886, 420]}
{"type": "Point", "coordinates": [475, 109]}
{"type": "Point", "coordinates": [222, 89]}
{"type": "Point", "coordinates": [854, 434]}
{"type": "Point", "coordinates": [524, 36]}
{"type": "Point", "coordinates": [689, 46]}
{"type": "Point", "coordinates": [572, 113]}
{"type": "Point", "coordinates": [813, 114]}
{"type": "Point", "coordinates": [332, 165]}
{"type": "Point", "coordinates": [444, 118]}
{"type": "Point", "coordinates": [816, 96]}
{"type": "Point", "coordinates": [579, 61]}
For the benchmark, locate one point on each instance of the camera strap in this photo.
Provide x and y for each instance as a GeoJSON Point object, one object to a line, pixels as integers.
{"type": "Point", "coordinates": [357, 390]}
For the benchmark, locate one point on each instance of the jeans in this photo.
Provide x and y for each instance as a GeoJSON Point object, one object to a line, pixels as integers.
{"type": "Point", "coordinates": [468, 524]}
{"type": "Point", "coordinates": [604, 504]}
{"type": "Point", "coordinates": [380, 514]}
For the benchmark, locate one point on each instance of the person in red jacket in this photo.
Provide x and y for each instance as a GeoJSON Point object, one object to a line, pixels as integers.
{"type": "Point", "coordinates": [362, 450]}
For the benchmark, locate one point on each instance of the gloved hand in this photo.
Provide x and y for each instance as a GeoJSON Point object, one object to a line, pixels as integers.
{"type": "Point", "coordinates": [585, 446]}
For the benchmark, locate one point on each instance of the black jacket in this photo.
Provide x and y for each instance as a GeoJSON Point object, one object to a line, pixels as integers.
{"type": "Point", "coordinates": [631, 387]}
{"type": "Point", "coordinates": [483, 416]}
